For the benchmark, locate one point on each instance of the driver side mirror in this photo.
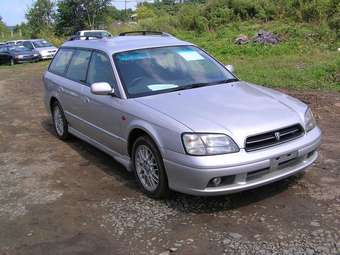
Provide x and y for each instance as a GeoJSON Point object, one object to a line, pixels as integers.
{"type": "Point", "coordinates": [102, 88]}
{"type": "Point", "coordinates": [230, 68]}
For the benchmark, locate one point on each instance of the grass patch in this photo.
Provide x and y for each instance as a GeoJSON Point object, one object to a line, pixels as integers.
{"type": "Point", "coordinates": [301, 61]}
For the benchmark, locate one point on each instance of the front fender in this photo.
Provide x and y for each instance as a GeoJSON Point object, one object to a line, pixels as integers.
{"type": "Point", "coordinates": [151, 130]}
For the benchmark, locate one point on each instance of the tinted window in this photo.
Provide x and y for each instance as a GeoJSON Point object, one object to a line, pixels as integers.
{"type": "Point", "coordinates": [27, 45]}
{"type": "Point", "coordinates": [78, 66]}
{"type": "Point", "coordinates": [100, 69]}
{"type": "Point", "coordinates": [60, 61]}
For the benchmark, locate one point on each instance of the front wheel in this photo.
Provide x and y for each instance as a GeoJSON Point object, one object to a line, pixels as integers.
{"type": "Point", "coordinates": [11, 62]}
{"type": "Point", "coordinates": [149, 169]}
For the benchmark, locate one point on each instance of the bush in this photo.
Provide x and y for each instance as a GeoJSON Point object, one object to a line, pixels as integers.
{"type": "Point", "coordinates": [164, 23]}
{"type": "Point", "coordinates": [217, 13]}
{"type": "Point", "coordinates": [189, 18]}
{"type": "Point", "coordinates": [52, 38]}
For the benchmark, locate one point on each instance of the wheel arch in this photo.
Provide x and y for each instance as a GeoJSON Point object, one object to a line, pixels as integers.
{"type": "Point", "coordinates": [53, 100]}
{"type": "Point", "coordinates": [138, 131]}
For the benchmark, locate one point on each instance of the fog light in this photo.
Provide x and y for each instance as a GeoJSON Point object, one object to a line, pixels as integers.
{"type": "Point", "coordinates": [216, 181]}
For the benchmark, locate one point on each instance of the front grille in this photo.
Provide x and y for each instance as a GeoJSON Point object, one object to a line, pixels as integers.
{"type": "Point", "coordinates": [274, 137]}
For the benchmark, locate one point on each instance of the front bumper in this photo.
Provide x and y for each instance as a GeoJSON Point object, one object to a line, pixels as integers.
{"type": "Point", "coordinates": [242, 170]}
{"type": "Point", "coordinates": [47, 56]}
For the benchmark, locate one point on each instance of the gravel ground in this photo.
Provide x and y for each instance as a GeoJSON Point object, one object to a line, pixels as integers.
{"type": "Point", "coordinates": [70, 198]}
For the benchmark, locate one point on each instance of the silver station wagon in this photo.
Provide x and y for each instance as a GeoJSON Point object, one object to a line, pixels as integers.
{"type": "Point", "coordinates": [175, 116]}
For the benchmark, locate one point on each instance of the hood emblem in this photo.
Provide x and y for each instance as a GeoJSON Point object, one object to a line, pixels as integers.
{"type": "Point", "coordinates": [277, 136]}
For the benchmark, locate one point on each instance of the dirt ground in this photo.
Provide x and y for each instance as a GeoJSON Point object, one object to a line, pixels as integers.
{"type": "Point", "coordinates": [70, 198]}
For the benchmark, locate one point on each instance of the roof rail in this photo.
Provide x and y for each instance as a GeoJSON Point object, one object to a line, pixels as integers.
{"type": "Point", "coordinates": [144, 33]}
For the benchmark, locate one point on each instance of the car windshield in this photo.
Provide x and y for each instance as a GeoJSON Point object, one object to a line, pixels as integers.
{"type": "Point", "coordinates": [159, 70]}
{"type": "Point", "coordinates": [41, 44]}
{"type": "Point", "coordinates": [17, 48]}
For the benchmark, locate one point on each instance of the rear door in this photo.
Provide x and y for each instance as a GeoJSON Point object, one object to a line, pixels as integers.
{"type": "Point", "coordinates": [73, 90]}
{"type": "Point", "coordinates": [66, 90]}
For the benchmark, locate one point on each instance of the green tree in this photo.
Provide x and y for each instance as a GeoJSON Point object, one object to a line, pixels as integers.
{"type": "Point", "coordinates": [69, 17]}
{"type": "Point", "coordinates": [74, 15]}
{"type": "Point", "coordinates": [95, 11]}
{"type": "Point", "coordinates": [40, 16]}
{"type": "Point", "coordinates": [144, 12]}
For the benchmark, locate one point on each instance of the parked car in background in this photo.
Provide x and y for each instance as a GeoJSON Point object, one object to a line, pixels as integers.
{"type": "Point", "coordinates": [175, 116]}
{"type": "Point", "coordinates": [15, 42]}
{"type": "Point", "coordinates": [2, 43]}
{"type": "Point", "coordinates": [12, 54]}
{"type": "Point", "coordinates": [45, 49]}
{"type": "Point", "coordinates": [90, 34]}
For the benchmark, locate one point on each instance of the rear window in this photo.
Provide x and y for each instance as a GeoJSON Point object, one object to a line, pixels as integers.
{"type": "Point", "coordinates": [78, 66]}
{"type": "Point", "coordinates": [60, 61]}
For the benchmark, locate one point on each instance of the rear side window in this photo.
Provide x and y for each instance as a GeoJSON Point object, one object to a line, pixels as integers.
{"type": "Point", "coordinates": [78, 66]}
{"type": "Point", "coordinates": [100, 69]}
{"type": "Point", "coordinates": [60, 61]}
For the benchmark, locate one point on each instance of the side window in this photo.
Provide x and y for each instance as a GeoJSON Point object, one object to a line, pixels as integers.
{"type": "Point", "coordinates": [78, 66]}
{"type": "Point", "coordinates": [60, 61]}
{"type": "Point", "coordinates": [100, 70]}
{"type": "Point", "coordinates": [28, 45]}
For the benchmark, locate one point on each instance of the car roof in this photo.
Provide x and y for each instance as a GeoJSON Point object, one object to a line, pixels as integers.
{"type": "Point", "coordinates": [92, 31]}
{"type": "Point", "coordinates": [33, 40]}
{"type": "Point", "coordinates": [125, 43]}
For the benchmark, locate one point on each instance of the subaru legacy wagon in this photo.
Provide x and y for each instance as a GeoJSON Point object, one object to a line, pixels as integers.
{"type": "Point", "coordinates": [175, 116]}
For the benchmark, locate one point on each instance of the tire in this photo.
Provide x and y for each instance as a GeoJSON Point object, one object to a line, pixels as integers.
{"type": "Point", "coordinates": [151, 168]}
{"type": "Point", "coordinates": [59, 121]}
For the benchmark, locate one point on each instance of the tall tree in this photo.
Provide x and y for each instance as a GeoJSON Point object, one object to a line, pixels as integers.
{"type": "Point", "coordinates": [95, 10]}
{"type": "Point", "coordinates": [40, 16]}
{"type": "Point", "coordinates": [74, 15]}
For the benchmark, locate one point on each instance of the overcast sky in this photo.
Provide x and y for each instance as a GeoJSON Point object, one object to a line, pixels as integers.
{"type": "Point", "coordinates": [13, 11]}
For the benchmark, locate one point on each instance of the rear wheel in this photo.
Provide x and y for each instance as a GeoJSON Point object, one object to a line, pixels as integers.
{"type": "Point", "coordinates": [149, 169]}
{"type": "Point", "coordinates": [59, 121]}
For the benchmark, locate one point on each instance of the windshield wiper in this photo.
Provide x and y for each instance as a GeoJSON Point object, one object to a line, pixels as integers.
{"type": "Point", "coordinates": [203, 84]}
{"type": "Point", "coordinates": [225, 81]}
{"type": "Point", "coordinates": [191, 86]}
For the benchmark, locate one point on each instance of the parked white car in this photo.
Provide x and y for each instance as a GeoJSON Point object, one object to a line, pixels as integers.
{"type": "Point", "coordinates": [14, 42]}
{"type": "Point", "coordinates": [45, 49]}
{"type": "Point", "coordinates": [91, 34]}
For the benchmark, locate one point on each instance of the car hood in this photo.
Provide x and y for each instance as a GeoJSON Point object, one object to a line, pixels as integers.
{"type": "Point", "coordinates": [46, 49]}
{"type": "Point", "coordinates": [27, 52]}
{"type": "Point", "coordinates": [238, 109]}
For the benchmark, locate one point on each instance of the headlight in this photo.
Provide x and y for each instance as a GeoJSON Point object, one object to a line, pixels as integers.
{"type": "Point", "coordinates": [310, 122]}
{"type": "Point", "coordinates": [20, 56]}
{"type": "Point", "coordinates": [208, 144]}
{"type": "Point", "coordinates": [35, 54]}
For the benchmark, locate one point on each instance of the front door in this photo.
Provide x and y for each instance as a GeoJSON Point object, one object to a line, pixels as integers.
{"type": "Point", "coordinates": [102, 111]}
